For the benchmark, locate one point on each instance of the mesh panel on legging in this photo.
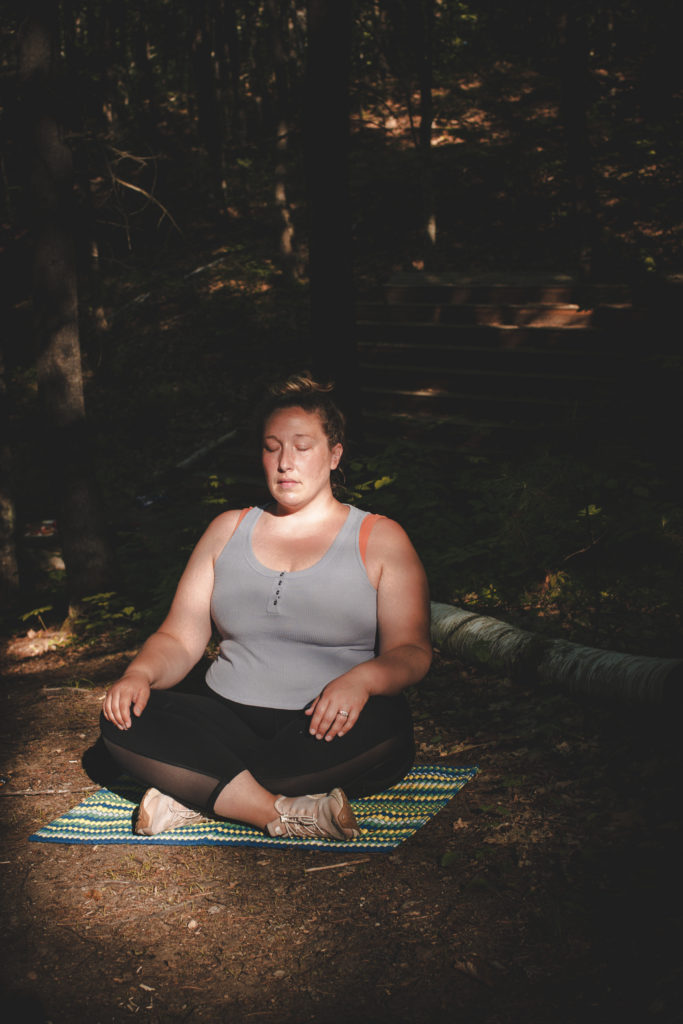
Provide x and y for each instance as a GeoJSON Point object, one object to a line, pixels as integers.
{"type": "Point", "coordinates": [191, 788]}
{"type": "Point", "coordinates": [369, 772]}
{"type": "Point", "coordinates": [191, 746]}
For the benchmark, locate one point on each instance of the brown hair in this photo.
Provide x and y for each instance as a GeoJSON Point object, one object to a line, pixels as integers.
{"type": "Point", "coordinates": [302, 391]}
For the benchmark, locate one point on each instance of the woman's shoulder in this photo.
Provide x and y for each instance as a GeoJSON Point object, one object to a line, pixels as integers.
{"type": "Point", "coordinates": [384, 544]}
{"type": "Point", "coordinates": [220, 530]}
{"type": "Point", "coordinates": [228, 520]}
{"type": "Point", "coordinates": [387, 533]}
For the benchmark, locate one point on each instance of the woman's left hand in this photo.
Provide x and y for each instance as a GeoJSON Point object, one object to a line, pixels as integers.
{"type": "Point", "coordinates": [335, 711]}
{"type": "Point", "coordinates": [405, 649]}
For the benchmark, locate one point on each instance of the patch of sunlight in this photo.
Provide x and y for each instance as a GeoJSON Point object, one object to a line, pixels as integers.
{"type": "Point", "coordinates": [170, 323]}
{"type": "Point", "coordinates": [470, 84]}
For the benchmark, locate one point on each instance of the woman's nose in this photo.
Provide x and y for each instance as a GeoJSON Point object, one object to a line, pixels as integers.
{"type": "Point", "coordinates": [284, 462]}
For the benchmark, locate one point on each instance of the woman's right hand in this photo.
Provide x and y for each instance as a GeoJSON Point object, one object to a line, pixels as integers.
{"type": "Point", "coordinates": [132, 689]}
{"type": "Point", "coordinates": [170, 652]}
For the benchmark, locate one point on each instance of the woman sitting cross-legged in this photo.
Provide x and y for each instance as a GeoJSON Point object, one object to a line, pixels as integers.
{"type": "Point", "coordinates": [323, 617]}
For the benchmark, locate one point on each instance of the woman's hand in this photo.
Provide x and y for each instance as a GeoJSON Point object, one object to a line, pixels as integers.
{"type": "Point", "coordinates": [132, 689]}
{"type": "Point", "coordinates": [169, 653]}
{"type": "Point", "coordinates": [327, 710]}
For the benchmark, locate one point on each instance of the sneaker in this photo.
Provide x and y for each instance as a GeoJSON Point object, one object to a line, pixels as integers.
{"type": "Point", "coordinates": [319, 817]}
{"type": "Point", "coordinates": [159, 813]}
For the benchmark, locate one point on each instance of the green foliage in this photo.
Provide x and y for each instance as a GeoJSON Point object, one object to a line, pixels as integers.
{"type": "Point", "coordinates": [196, 322]}
{"type": "Point", "coordinates": [79, 683]}
{"type": "Point", "coordinates": [105, 613]}
{"type": "Point", "coordinates": [37, 613]}
{"type": "Point", "coordinates": [553, 543]}
{"type": "Point", "coordinates": [153, 557]}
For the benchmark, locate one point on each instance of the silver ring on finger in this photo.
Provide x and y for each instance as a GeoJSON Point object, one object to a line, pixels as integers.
{"type": "Point", "coordinates": [344, 714]}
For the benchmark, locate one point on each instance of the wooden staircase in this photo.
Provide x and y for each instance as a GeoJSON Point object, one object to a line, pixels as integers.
{"type": "Point", "coordinates": [495, 362]}
{"type": "Point", "coordinates": [502, 366]}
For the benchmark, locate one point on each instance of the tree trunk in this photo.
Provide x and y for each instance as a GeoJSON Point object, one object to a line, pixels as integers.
{"type": "Point", "coordinates": [574, 107]}
{"type": "Point", "coordinates": [498, 647]}
{"type": "Point", "coordinates": [288, 254]}
{"type": "Point", "coordinates": [231, 66]}
{"type": "Point", "coordinates": [144, 86]}
{"type": "Point", "coordinates": [423, 20]}
{"type": "Point", "coordinates": [326, 141]}
{"type": "Point", "coordinates": [9, 569]}
{"type": "Point", "coordinates": [55, 302]}
{"type": "Point", "coordinates": [210, 115]}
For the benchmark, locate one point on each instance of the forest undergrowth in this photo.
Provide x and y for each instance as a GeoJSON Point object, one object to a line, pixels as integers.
{"type": "Point", "coordinates": [187, 315]}
{"type": "Point", "coordinates": [546, 889]}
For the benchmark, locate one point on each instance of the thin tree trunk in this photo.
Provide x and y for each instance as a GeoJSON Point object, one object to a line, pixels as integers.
{"type": "Point", "coordinates": [574, 107]}
{"type": "Point", "coordinates": [254, 45]}
{"type": "Point", "coordinates": [145, 94]}
{"type": "Point", "coordinates": [55, 300]}
{"type": "Point", "coordinates": [9, 568]}
{"type": "Point", "coordinates": [220, 59]}
{"type": "Point", "coordinates": [288, 255]}
{"type": "Point", "coordinates": [326, 139]}
{"type": "Point", "coordinates": [232, 59]}
{"type": "Point", "coordinates": [424, 25]}
{"type": "Point", "coordinates": [498, 647]}
{"type": "Point", "coordinates": [69, 22]}
{"type": "Point", "coordinates": [210, 114]}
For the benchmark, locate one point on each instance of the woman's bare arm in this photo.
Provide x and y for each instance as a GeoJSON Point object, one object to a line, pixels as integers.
{"type": "Point", "coordinates": [169, 653]}
{"type": "Point", "coordinates": [405, 650]}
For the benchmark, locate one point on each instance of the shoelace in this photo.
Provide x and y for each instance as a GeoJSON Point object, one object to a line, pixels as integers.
{"type": "Point", "coordinates": [307, 823]}
{"type": "Point", "coordinates": [189, 814]}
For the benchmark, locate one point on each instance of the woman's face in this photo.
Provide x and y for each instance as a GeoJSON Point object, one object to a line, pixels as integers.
{"type": "Point", "coordinates": [297, 458]}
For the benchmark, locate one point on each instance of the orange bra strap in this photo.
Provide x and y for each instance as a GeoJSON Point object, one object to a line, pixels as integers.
{"type": "Point", "coordinates": [364, 532]}
{"type": "Point", "coordinates": [242, 514]}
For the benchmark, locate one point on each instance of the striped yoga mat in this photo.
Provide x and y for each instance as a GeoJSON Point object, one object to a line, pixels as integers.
{"type": "Point", "coordinates": [386, 819]}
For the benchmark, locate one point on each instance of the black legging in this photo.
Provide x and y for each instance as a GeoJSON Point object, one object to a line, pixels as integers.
{"type": "Point", "coordinates": [190, 746]}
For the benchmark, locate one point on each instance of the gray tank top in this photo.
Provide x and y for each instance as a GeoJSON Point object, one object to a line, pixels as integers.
{"type": "Point", "coordinates": [285, 635]}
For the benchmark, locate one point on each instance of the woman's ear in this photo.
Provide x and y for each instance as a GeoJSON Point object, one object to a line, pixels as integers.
{"type": "Point", "coordinates": [336, 455]}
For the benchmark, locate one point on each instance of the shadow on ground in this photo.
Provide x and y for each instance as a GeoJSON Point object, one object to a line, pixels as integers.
{"type": "Point", "coordinates": [544, 891]}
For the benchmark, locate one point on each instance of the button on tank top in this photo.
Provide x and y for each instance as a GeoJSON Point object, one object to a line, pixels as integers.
{"type": "Point", "coordinates": [285, 635]}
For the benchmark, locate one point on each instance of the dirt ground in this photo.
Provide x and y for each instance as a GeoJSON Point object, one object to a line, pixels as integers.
{"type": "Point", "coordinates": [545, 892]}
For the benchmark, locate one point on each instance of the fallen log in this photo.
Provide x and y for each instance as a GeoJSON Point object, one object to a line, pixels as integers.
{"type": "Point", "coordinates": [499, 647]}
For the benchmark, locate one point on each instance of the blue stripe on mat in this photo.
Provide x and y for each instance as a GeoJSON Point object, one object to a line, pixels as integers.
{"type": "Point", "coordinates": [386, 820]}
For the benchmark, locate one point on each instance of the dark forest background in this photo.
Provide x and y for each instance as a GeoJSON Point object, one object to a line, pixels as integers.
{"type": "Point", "coordinates": [412, 197]}
{"type": "Point", "coordinates": [194, 197]}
